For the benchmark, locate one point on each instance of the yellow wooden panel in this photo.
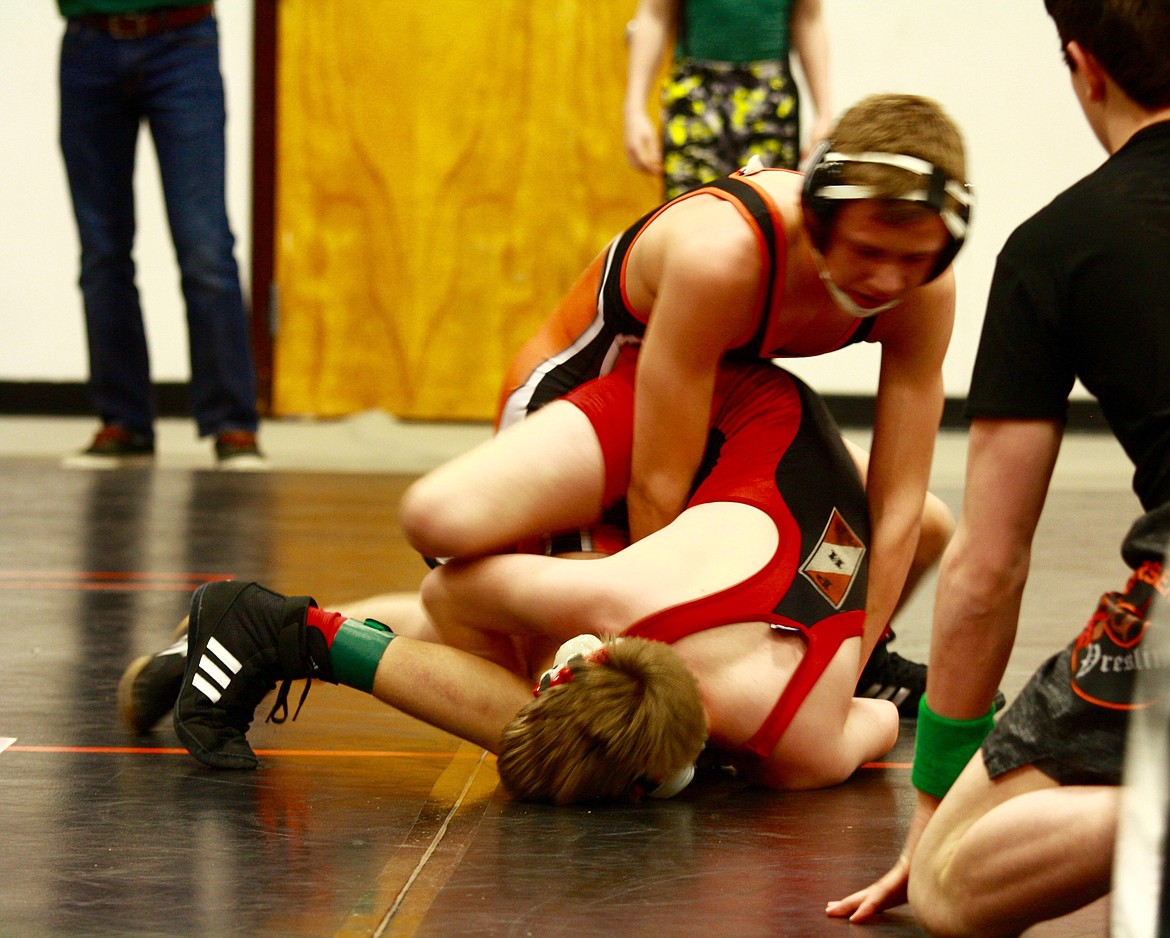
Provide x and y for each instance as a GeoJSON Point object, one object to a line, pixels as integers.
{"type": "Point", "coordinates": [445, 171]}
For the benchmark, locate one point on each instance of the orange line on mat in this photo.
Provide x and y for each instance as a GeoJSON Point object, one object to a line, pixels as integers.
{"type": "Point", "coordinates": [327, 753]}
{"type": "Point", "coordinates": [176, 751]}
{"type": "Point", "coordinates": [103, 580]}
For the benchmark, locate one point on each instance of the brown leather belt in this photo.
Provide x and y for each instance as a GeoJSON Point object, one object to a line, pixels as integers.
{"type": "Point", "coordinates": [146, 23]}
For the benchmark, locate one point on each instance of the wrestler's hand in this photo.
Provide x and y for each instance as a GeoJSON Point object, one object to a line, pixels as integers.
{"type": "Point", "coordinates": [889, 891]}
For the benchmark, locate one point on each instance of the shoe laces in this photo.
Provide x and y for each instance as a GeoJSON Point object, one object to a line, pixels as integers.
{"type": "Point", "coordinates": [279, 712]}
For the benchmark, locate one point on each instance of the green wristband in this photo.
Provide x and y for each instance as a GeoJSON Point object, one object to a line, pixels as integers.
{"type": "Point", "coordinates": [943, 748]}
{"type": "Point", "coordinates": [357, 649]}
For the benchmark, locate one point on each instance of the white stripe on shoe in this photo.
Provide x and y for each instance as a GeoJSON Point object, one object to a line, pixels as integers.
{"type": "Point", "coordinates": [888, 692]}
{"type": "Point", "coordinates": [228, 659]}
{"type": "Point", "coordinates": [210, 691]}
{"type": "Point", "coordinates": [210, 678]}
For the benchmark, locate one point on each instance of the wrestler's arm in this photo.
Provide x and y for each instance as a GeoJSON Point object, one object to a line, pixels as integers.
{"type": "Point", "coordinates": [908, 409]}
{"type": "Point", "coordinates": [826, 744]}
{"type": "Point", "coordinates": [704, 303]}
{"type": "Point", "coordinates": [977, 606]}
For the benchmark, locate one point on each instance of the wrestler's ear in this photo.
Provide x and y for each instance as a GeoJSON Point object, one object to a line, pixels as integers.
{"type": "Point", "coordinates": [1085, 64]}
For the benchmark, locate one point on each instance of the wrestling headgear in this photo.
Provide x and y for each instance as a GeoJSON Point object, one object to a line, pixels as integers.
{"type": "Point", "coordinates": [825, 190]}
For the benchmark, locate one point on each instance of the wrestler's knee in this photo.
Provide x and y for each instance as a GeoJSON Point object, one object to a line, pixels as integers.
{"type": "Point", "coordinates": [939, 910]}
{"type": "Point", "coordinates": [436, 521]}
{"type": "Point", "coordinates": [439, 603]}
{"type": "Point", "coordinates": [431, 592]}
{"type": "Point", "coordinates": [939, 894]}
{"type": "Point", "coordinates": [442, 595]}
{"type": "Point", "coordinates": [935, 917]}
{"type": "Point", "coordinates": [801, 769]}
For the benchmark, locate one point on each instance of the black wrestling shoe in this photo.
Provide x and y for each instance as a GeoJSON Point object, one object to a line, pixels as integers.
{"type": "Point", "coordinates": [243, 639]}
{"type": "Point", "coordinates": [150, 685]}
{"type": "Point", "coordinates": [889, 676]}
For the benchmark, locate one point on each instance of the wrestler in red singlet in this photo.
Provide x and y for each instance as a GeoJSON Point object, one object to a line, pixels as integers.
{"type": "Point", "coordinates": [773, 445]}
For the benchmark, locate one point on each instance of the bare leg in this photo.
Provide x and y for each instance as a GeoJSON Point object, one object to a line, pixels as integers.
{"type": "Point", "coordinates": [401, 612]}
{"type": "Point", "coordinates": [527, 601]}
{"type": "Point", "coordinates": [455, 691]}
{"type": "Point", "coordinates": [542, 474]}
{"type": "Point", "coordinates": [832, 733]}
{"type": "Point", "coordinates": [1000, 855]}
{"type": "Point", "coordinates": [871, 729]}
{"type": "Point", "coordinates": [707, 548]}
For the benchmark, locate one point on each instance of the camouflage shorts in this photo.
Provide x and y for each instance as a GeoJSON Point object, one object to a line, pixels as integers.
{"type": "Point", "coordinates": [718, 114]}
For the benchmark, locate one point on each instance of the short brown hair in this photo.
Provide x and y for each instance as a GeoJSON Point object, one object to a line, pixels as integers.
{"type": "Point", "coordinates": [898, 123]}
{"type": "Point", "coordinates": [633, 716]}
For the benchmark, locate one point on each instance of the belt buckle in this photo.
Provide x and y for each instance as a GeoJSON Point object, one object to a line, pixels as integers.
{"type": "Point", "coordinates": [129, 25]}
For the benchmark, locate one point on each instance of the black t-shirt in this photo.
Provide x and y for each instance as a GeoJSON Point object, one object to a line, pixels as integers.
{"type": "Point", "coordinates": [1082, 290]}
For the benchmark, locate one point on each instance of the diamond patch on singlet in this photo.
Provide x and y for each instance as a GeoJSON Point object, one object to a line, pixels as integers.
{"type": "Point", "coordinates": [832, 566]}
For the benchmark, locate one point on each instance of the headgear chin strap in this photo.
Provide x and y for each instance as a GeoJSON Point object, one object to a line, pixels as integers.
{"type": "Point", "coordinates": [844, 301]}
{"type": "Point", "coordinates": [824, 192]}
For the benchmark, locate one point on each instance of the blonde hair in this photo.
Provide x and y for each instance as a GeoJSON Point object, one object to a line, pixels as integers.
{"type": "Point", "coordinates": [624, 722]}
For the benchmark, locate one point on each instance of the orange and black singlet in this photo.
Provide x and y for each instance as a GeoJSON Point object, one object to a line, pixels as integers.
{"type": "Point", "coordinates": [594, 321]}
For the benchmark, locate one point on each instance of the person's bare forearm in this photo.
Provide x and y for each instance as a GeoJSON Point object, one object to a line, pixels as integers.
{"type": "Point", "coordinates": [975, 618]}
{"type": "Point", "coordinates": [648, 33]}
{"type": "Point", "coordinates": [892, 546]}
{"type": "Point", "coordinates": [810, 41]}
{"type": "Point", "coordinates": [985, 567]}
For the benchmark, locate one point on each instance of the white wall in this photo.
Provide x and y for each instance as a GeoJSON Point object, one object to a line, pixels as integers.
{"type": "Point", "coordinates": [43, 337]}
{"type": "Point", "coordinates": [993, 64]}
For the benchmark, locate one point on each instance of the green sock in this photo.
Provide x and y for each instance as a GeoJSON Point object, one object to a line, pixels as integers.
{"type": "Point", "coordinates": [356, 650]}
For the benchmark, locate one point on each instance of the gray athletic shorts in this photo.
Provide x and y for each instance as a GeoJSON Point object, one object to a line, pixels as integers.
{"type": "Point", "coordinates": [1070, 740]}
{"type": "Point", "coordinates": [1070, 720]}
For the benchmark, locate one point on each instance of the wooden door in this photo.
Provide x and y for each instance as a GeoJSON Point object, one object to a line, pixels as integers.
{"type": "Point", "coordinates": [445, 170]}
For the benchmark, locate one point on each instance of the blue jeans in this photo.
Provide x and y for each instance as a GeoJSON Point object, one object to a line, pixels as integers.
{"type": "Point", "coordinates": [172, 82]}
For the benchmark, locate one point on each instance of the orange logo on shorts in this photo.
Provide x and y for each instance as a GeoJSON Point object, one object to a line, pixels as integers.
{"type": "Point", "coordinates": [833, 564]}
{"type": "Point", "coordinates": [1108, 656]}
